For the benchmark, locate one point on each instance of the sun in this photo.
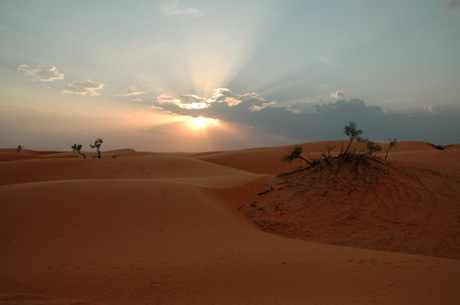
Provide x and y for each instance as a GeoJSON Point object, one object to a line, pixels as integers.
{"type": "Point", "coordinates": [201, 122]}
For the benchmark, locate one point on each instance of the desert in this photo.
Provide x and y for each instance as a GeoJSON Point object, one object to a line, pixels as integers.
{"type": "Point", "coordinates": [202, 228]}
{"type": "Point", "coordinates": [238, 152]}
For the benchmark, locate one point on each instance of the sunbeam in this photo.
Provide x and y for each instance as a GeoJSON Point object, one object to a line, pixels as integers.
{"type": "Point", "coordinates": [213, 60]}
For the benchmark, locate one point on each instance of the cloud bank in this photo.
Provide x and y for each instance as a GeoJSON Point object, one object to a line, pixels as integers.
{"type": "Point", "coordinates": [318, 122]}
{"type": "Point", "coordinates": [41, 73]}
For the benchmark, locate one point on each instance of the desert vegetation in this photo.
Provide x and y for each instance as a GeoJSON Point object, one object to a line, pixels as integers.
{"type": "Point", "coordinates": [97, 144]}
{"type": "Point", "coordinates": [440, 147]}
{"type": "Point", "coordinates": [347, 154]}
{"type": "Point", "coordinates": [390, 146]}
{"type": "Point", "coordinates": [76, 148]}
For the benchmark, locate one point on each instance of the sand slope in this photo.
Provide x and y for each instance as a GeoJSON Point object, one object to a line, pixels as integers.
{"type": "Point", "coordinates": [166, 229]}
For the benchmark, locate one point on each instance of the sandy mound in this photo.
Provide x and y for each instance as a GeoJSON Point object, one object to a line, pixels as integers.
{"type": "Point", "coordinates": [147, 228]}
{"type": "Point", "coordinates": [378, 204]}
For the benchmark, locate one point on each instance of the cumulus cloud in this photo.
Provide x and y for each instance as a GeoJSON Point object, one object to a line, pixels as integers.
{"type": "Point", "coordinates": [339, 95]}
{"type": "Point", "coordinates": [41, 73]}
{"type": "Point", "coordinates": [184, 101]}
{"type": "Point", "coordinates": [84, 88]}
{"type": "Point", "coordinates": [222, 96]}
{"type": "Point", "coordinates": [318, 122]}
{"type": "Point", "coordinates": [174, 9]}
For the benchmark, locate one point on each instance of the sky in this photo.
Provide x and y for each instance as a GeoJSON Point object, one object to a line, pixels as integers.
{"type": "Point", "coordinates": [218, 75]}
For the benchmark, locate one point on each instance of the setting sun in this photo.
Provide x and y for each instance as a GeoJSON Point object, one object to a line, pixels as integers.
{"type": "Point", "coordinates": [202, 122]}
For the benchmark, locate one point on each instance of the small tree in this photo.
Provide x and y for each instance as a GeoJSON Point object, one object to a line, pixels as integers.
{"type": "Point", "coordinates": [76, 148]}
{"type": "Point", "coordinates": [353, 134]}
{"type": "Point", "coordinates": [296, 153]}
{"type": "Point", "coordinates": [373, 147]}
{"type": "Point", "coordinates": [97, 144]}
{"type": "Point", "coordinates": [392, 145]}
{"type": "Point", "coordinates": [18, 149]}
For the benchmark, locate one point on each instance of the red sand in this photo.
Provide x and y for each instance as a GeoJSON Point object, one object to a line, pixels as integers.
{"type": "Point", "coordinates": [165, 229]}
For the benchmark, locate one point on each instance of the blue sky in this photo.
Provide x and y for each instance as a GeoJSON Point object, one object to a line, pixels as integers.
{"type": "Point", "coordinates": [210, 75]}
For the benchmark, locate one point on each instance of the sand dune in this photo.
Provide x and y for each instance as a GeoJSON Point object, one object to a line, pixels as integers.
{"type": "Point", "coordinates": [168, 229]}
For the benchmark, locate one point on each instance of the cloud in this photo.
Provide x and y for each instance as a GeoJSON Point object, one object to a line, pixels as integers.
{"type": "Point", "coordinates": [173, 9]}
{"type": "Point", "coordinates": [184, 101]}
{"type": "Point", "coordinates": [444, 108]}
{"type": "Point", "coordinates": [223, 96]}
{"type": "Point", "coordinates": [41, 73]}
{"type": "Point", "coordinates": [84, 88]}
{"type": "Point", "coordinates": [452, 4]}
{"type": "Point", "coordinates": [318, 122]}
{"type": "Point", "coordinates": [133, 91]}
{"type": "Point", "coordinates": [339, 95]}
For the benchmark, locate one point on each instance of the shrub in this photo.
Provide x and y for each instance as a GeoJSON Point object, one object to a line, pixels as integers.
{"type": "Point", "coordinates": [345, 155]}
{"type": "Point", "coordinates": [76, 148]}
{"type": "Point", "coordinates": [97, 144]}
{"type": "Point", "coordinates": [353, 134]}
{"type": "Point", "coordinates": [392, 145]}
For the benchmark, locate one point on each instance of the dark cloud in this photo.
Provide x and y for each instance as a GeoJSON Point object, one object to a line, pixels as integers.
{"type": "Point", "coordinates": [326, 121]}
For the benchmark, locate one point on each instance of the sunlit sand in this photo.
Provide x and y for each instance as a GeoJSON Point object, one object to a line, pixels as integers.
{"type": "Point", "coordinates": [224, 228]}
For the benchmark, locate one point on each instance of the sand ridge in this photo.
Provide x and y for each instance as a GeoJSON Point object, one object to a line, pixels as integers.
{"type": "Point", "coordinates": [165, 229]}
